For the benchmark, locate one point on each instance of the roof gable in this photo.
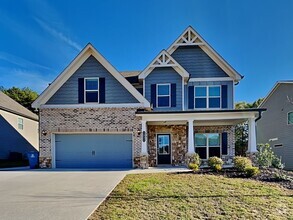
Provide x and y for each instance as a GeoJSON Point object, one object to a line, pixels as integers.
{"type": "Point", "coordinates": [88, 51]}
{"type": "Point", "coordinates": [276, 86]}
{"type": "Point", "coordinates": [164, 59]}
{"type": "Point", "coordinates": [191, 38]}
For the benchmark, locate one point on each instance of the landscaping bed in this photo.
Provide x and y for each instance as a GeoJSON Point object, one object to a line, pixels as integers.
{"type": "Point", "coordinates": [9, 163]}
{"type": "Point", "coordinates": [195, 196]}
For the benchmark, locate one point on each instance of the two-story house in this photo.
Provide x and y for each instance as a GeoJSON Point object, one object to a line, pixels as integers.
{"type": "Point", "coordinates": [93, 116]}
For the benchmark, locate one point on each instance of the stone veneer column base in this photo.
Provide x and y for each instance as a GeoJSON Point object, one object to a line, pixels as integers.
{"type": "Point", "coordinates": [45, 162]}
{"type": "Point", "coordinates": [252, 157]}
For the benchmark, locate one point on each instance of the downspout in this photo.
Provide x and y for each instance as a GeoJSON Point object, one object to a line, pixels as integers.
{"type": "Point", "coordinates": [259, 114]}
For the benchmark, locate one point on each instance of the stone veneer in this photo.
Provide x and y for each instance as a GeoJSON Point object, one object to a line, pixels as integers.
{"type": "Point", "coordinates": [87, 120]}
{"type": "Point", "coordinates": [179, 140]}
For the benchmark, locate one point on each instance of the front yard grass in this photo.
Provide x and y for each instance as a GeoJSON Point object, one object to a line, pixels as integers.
{"type": "Point", "coordinates": [195, 196]}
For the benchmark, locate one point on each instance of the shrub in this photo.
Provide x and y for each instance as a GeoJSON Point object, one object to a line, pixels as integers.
{"type": "Point", "coordinates": [267, 158]}
{"type": "Point", "coordinates": [215, 163]}
{"type": "Point", "coordinates": [193, 166]}
{"type": "Point", "coordinates": [195, 159]}
{"type": "Point", "coordinates": [240, 163]}
{"type": "Point", "coordinates": [251, 171]}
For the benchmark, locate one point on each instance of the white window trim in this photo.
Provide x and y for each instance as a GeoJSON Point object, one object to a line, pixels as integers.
{"type": "Point", "coordinates": [290, 124]}
{"type": "Point", "coordinates": [207, 146]}
{"type": "Point", "coordinates": [22, 124]}
{"type": "Point", "coordinates": [90, 90]}
{"type": "Point", "coordinates": [207, 97]}
{"type": "Point", "coordinates": [157, 94]}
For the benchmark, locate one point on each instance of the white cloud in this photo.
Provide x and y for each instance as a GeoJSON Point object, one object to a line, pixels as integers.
{"type": "Point", "coordinates": [57, 34]}
{"type": "Point", "coordinates": [20, 61]}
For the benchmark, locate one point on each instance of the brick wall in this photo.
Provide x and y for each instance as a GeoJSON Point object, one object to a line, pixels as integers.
{"type": "Point", "coordinates": [87, 120]}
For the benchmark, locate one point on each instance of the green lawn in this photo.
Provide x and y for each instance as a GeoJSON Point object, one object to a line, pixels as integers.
{"type": "Point", "coordinates": [195, 196]}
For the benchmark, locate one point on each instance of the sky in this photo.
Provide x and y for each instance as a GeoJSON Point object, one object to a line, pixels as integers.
{"type": "Point", "coordinates": [39, 38]}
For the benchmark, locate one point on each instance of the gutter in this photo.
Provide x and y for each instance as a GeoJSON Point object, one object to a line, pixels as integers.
{"type": "Point", "coordinates": [20, 114]}
{"type": "Point", "coordinates": [260, 114]}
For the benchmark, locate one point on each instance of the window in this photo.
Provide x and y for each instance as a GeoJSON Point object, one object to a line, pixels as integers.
{"type": "Point", "coordinates": [163, 144]}
{"type": "Point", "coordinates": [207, 97]}
{"type": "Point", "coordinates": [290, 118]}
{"type": "Point", "coordinates": [91, 92]}
{"type": "Point", "coordinates": [163, 95]}
{"type": "Point", "coordinates": [207, 145]}
{"type": "Point", "coordinates": [20, 123]}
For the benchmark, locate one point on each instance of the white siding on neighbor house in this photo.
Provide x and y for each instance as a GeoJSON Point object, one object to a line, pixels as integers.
{"type": "Point", "coordinates": [14, 139]}
{"type": "Point", "coordinates": [273, 123]}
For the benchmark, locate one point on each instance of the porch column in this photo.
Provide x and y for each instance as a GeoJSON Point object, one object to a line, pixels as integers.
{"type": "Point", "coordinates": [190, 137]}
{"type": "Point", "coordinates": [144, 149]}
{"type": "Point", "coordinates": [251, 136]}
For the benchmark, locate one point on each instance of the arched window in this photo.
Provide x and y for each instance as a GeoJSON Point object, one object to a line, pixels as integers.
{"type": "Point", "coordinates": [290, 118]}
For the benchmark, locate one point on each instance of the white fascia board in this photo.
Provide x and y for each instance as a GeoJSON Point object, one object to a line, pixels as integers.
{"type": "Point", "coordinates": [176, 66]}
{"type": "Point", "coordinates": [198, 116]}
{"type": "Point", "coordinates": [210, 79]}
{"type": "Point", "coordinates": [75, 64]}
{"type": "Point", "coordinates": [210, 52]}
{"type": "Point", "coordinates": [93, 105]}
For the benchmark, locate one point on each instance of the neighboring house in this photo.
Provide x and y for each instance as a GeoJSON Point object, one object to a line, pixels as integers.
{"type": "Point", "coordinates": [19, 128]}
{"type": "Point", "coordinates": [93, 116]}
{"type": "Point", "coordinates": [276, 126]}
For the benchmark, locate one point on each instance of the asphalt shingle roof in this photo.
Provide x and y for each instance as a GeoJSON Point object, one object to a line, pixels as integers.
{"type": "Point", "coordinates": [9, 105]}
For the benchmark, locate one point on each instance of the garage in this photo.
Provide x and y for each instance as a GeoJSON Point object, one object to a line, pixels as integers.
{"type": "Point", "coordinates": [93, 150]}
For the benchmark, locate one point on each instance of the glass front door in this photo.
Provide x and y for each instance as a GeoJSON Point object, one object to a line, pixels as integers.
{"type": "Point", "coordinates": [164, 148]}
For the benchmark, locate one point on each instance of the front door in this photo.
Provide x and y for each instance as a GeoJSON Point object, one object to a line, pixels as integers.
{"type": "Point", "coordinates": [164, 148]}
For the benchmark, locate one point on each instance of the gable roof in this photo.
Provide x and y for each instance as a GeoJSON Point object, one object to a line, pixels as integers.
{"type": "Point", "coordinates": [9, 105]}
{"type": "Point", "coordinates": [164, 59]}
{"type": "Point", "coordinates": [277, 84]}
{"type": "Point", "coordinates": [190, 37]}
{"type": "Point", "coordinates": [73, 67]}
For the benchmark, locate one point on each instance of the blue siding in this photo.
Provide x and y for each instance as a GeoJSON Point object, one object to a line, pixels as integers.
{"type": "Point", "coordinates": [164, 75]}
{"type": "Point", "coordinates": [115, 92]}
{"type": "Point", "coordinates": [94, 151]}
{"type": "Point", "coordinates": [197, 62]}
{"type": "Point", "coordinates": [12, 141]}
{"type": "Point", "coordinates": [209, 83]}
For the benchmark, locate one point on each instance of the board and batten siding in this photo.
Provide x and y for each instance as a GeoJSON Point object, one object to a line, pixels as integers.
{"type": "Point", "coordinates": [274, 124]}
{"type": "Point", "coordinates": [230, 98]}
{"type": "Point", "coordinates": [197, 63]}
{"type": "Point", "coordinates": [164, 75]}
{"type": "Point", "coordinates": [115, 92]}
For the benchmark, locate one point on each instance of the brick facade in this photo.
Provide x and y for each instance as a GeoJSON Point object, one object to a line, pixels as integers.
{"type": "Point", "coordinates": [87, 120]}
{"type": "Point", "coordinates": [179, 140]}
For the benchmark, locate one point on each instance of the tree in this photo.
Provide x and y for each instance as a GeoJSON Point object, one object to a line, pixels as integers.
{"type": "Point", "coordinates": [241, 130]}
{"type": "Point", "coordinates": [24, 96]}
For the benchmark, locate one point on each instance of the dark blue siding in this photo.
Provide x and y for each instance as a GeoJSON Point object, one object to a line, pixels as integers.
{"type": "Point", "coordinates": [164, 75]}
{"type": "Point", "coordinates": [197, 62]}
{"type": "Point", "coordinates": [114, 91]}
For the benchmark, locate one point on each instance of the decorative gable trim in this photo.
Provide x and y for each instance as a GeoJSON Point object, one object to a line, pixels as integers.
{"type": "Point", "coordinates": [191, 38]}
{"type": "Point", "coordinates": [88, 51]}
{"type": "Point", "coordinates": [164, 59]}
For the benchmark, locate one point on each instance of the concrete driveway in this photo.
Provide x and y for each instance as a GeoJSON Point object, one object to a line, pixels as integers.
{"type": "Point", "coordinates": [54, 194]}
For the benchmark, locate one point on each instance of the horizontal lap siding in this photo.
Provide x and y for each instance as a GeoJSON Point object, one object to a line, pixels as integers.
{"type": "Point", "coordinates": [273, 124]}
{"type": "Point", "coordinates": [115, 92]}
{"type": "Point", "coordinates": [210, 83]}
{"type": "Point", "coordinates": [197, 62]}
{"type": "Point", "coordinates": [165, 75]}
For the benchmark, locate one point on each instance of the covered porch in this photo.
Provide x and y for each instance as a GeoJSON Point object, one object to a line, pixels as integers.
{"type": "Point", "coordinates": [170, 137]}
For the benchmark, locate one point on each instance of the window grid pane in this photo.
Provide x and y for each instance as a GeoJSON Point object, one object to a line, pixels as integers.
{"type": "Point", "coordinates": [290, 118]}
{"type": "Point", "coordinates": [92, 84]}
{"type": "Point", "coordinates": [163, 90]}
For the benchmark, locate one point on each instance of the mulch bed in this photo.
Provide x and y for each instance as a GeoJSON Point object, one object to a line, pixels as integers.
{"type": "Point", "coordinates": [272, 175]}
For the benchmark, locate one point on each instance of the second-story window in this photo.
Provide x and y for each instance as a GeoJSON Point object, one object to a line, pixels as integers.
{"type": "Point", "coordinates": [91, 92]}
{"type": "Point", "coordinates": [290, 118]}
{"type": "Point", "coordinates": [163, 95]}
{"type": "Point", "coordinates": [207, 97]}
{"type": "Point", "coordinates": [20, 123]}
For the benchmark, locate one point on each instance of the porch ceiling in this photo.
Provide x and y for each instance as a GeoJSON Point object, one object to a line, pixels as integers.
{"type": "Point", "coordinates": [213, 117]}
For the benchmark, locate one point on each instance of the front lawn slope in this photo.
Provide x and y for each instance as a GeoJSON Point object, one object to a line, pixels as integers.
{"type": "Point", "coordinates": [190, 196]}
